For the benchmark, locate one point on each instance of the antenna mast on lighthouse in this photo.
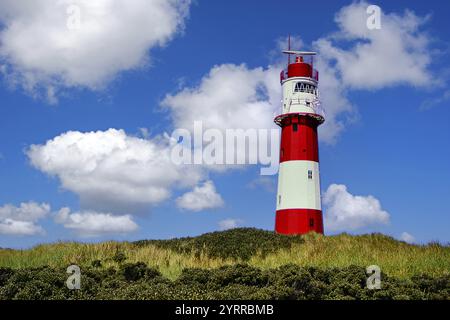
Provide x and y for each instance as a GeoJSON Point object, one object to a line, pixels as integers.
{"type": "Point", "coordinates": [289, 48]}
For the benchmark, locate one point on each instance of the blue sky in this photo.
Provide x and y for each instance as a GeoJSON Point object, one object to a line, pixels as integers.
{"type": "Point", "coordinates": [391, 150]}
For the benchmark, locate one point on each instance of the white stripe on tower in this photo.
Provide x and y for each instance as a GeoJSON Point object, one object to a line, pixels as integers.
{"type": "Point", "coordinates": [299, 185]}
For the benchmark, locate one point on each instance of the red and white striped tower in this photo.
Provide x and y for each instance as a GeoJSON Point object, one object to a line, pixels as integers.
{"type": "Point", "coordinates": [298, 199]}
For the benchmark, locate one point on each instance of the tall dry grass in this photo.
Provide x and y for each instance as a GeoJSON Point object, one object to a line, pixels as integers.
{"type": "Point", "coordinates": [395, 258]}
{"type": "Point", "coordinates": [62, 254]}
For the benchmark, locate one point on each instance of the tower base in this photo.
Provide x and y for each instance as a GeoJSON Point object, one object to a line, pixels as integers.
{"type": "Point", "coordinates": [298, 221]}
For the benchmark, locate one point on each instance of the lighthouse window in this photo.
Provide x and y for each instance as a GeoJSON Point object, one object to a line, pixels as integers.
{"type": "Point", "coordinates": [299, 87]}
{"type": "Point", "coordinates": [310, 174]}
{"type": "Point", "coordinates": [302, 87]}
{"type": "Point", "coordinates": [311, 222]}
{"type": "Point", "coordinates": [295, 127]}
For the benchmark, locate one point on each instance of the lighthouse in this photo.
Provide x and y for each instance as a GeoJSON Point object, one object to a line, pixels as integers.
{"type": "Point", "coordinates": [298, 208]}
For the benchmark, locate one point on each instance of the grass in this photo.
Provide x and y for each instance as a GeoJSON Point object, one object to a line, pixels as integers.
{"type": "Point", "coordinates": [62, 254]}
{"type": "Point", "coordinates": [170, 257]}
{"type": "Point", "coordinates": [394, 257]}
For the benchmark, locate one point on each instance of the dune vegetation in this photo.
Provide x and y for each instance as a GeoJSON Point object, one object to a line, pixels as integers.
{"type": "Point", "coordinates": [261, 252]}
{"type": "Point", "coordinates": [262, 249]}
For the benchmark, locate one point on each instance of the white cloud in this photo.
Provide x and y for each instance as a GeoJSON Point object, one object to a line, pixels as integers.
{"type": "Point", "coordinates": [405, 236]}
{"type": "Point", "coordinates": [27, 211]}
{"type": "Point", "coordinates": [22, 220]}
{"type": "Point", "coordinates": [200, 198]}
{"type": "Point", "coordinates": [40, 51]}
{"type": "Point", "coordinates": [344, 211]}
{"type": "Point", "coordinates": [228, 97]}
{"type": "Point", "coordinates": [398, 53]}
{"type": "Point", "coordinates": [227, 224]}
{"type": "Point", "coordinates": [232, 97]}
{"type": "Point", "coordinates": [19, 228]}
{"type": "Point", "coordinates": [356, 58]}
{"type": "Point", "coordinates": [112, 171]}
{"type": "Point", "coordinates": [91, 223]}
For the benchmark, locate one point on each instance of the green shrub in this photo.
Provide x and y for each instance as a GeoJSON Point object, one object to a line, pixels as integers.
{"type": "Point", "coordinates": [5, 274]}
{"type": "Point", "coordinates": [137, 271]}
{"type": "Point", "coordinates": [239, 243]}
{"type": "Point", "coordinates": [33, 284]}
{"type": "Point", "coordinates": [192, 276]}
{"type": "Point", "coordinates": [239, 274]}
{"type": "Point", "coordinates": [240, 281]}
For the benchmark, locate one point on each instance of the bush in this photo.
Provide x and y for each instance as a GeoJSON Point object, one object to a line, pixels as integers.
{"type": "Point", "coordinates": [299, 280]}
{"type": "Point", "coordinates": [239, 243]}
{"type": "Point", "coordinates": [32, 284]}
{"type": "Point", "coordinates": [239, 274]}
{"type": "Point", "coordinates": [241, 281]}
{"type": "Point", "coordinates": [5, 274]}
{"type": "Point", "coordinates": [137, 271]}
{"type": "Point", "coordinates": [192, 276]}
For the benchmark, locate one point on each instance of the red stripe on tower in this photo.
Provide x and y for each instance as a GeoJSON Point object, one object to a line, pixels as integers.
{"type": "Point", "coordinates": [298, 197]}
{"type": "Point", "coordinates": [298, 221]}
{"type": "Point", "coordinates": [299, 139]}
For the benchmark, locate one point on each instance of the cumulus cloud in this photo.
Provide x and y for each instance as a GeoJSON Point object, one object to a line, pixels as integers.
{"type": "Point", "coordinates": [22, 220]}
{"type": "Point", "coordinates": [91, 223]}
{"type": "Point", "coordinates": [19, 228]}
{"type": "Point", "coordinates": [54, 44]}
{"type": "Point", "coordinates": [112, 171]}
{"type": "Point", "coordinates": [229, 96]}
{"type": "Point", "coordinates": [345, 212]}
{"type": "Point", "coordinates": [232, 97]}
{"type": "Point", "coordinates": [398, 53]}
{"type": "Point", "coordinates": [405, 236]}
{"type": "Point", "coordinates": [357, 58]}
{"type": "Point", "coordinates": [200, 198]}
{"type": "Point", "coordinates": [229, 223]}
